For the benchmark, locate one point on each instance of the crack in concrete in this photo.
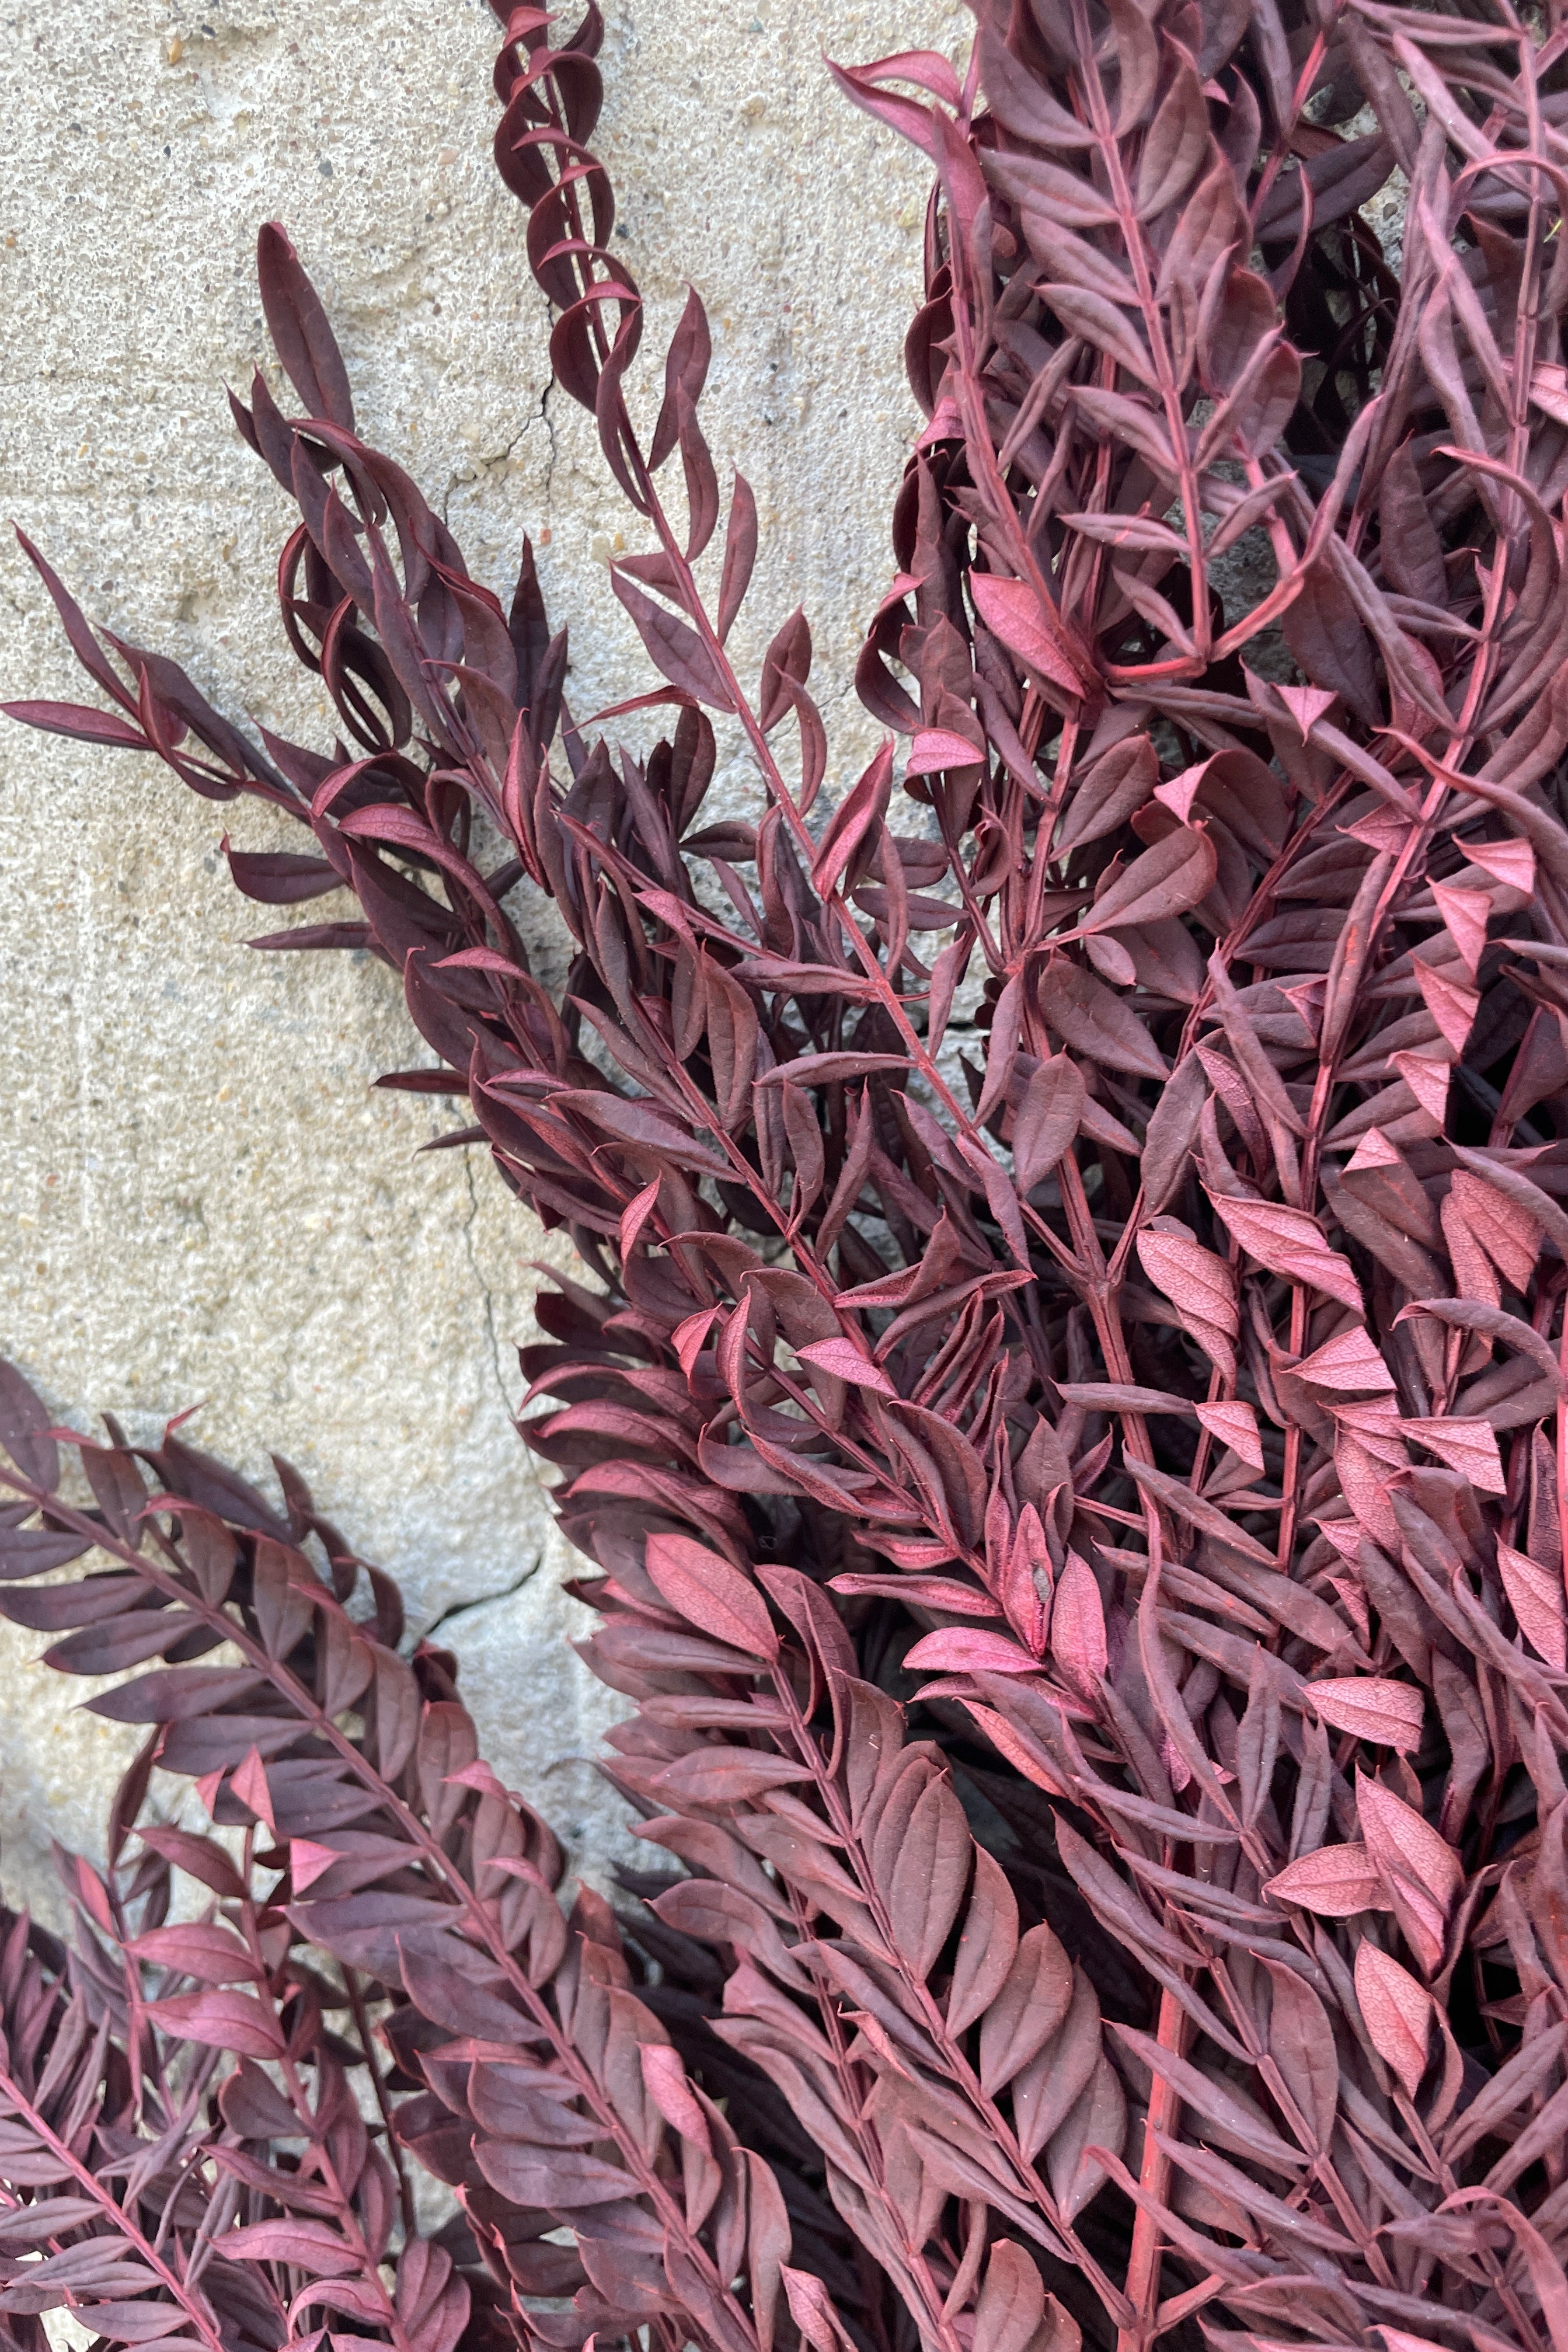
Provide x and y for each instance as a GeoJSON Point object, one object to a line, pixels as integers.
{"type": "Point", "coordinates": [549, 423]}
{"type": "Point", "coordinates": [501, 457]}
{"type": "Point", "coordinates": [487, 1296]}
{"type": "Point", "coordinates": [483, 1599]}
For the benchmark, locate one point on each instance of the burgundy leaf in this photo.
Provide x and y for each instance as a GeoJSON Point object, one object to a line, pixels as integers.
{"type": "Point", "coordinates": [1397, 2012]}
{"type": "Point", "coordinates": [1335, 1881]}
{"type": "Point", "coordinates": [221, 2021]}
{"type": "Point", "coordinates": [709, 1593]}
{"type": "Point", "coordinates": [674, 647]}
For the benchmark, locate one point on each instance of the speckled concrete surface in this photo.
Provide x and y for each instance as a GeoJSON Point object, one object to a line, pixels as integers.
{"type": "Point", "coordinates": [199, 1199]}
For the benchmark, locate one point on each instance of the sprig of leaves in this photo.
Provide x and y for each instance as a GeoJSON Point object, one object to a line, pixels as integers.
{"type": "Point", "coordinates": [547, 2091]}
{"type": "Point", "coordinates": [190, 2167]}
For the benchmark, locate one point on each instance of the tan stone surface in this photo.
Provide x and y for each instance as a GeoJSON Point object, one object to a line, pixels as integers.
{"type": "Point", "coordinates": [199, 1199]}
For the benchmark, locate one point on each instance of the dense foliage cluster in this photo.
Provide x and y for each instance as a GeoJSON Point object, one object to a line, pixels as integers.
{"type": "Point", "coordinates": [1079, 1520]}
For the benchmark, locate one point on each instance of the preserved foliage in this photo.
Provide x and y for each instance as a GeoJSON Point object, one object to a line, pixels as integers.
{"type": "Point", "coordinates": [1079, 1523]}
{"type": "Point", "coordinates": [515, 2061]}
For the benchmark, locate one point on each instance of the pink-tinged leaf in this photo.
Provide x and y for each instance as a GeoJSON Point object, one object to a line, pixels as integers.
{"type": "Point", "coordinates": [1120, 1396]}
{"type": "Point", "coordinates": [1375, 1425]}
{"type": "Point", "coordinates": [1536, 1597]}
{"type": "Point", "coordinates": [711, 1595]}
{"type": "Point", "coordinates": [1451, 1004]}
{"type": "Point", "coordinates": [1400, 1838]}
{"type": "Point", "coordinates": [1397, 2013]}
{"type": "Point", "coordinates": [308, 1861]}
{"type": "Point", "coordinates": [480, 1777]}
{"type": "Point", "coordinates": [725, 1776]}
{"type": "Point", "coordinates": [958, 1650]}
{"type": "Point", "coordinates": [690, 1339]}
{"type": "Point", "coordinates": [1475, 1274]}
{"type": "Point", "coordinates": [313, 2246]}
{"type": "Point", "coordinates": [1307, 705]}
{"type": "Point", "coordinates": [1427, 1079]}
{"type": "Point", "coordinates": [674, 648]}
{"type": "Point", "coordinates": [1506, 1212]}
{"type": "Point", "coordinates": [1549, 391]}
{"type": "Point", "coordinates": [1012, 611]}
{"type": "Point", "coordinates": [479, 959]}
{"type": "Point", "coordinates": [1370, 1707]}
{"type": "Point", "coordinates": [1022, 1754]}
{"type": "Point", "coordinates": [357, 2298]}
{"type": "Point", "coordinates": [78, 718]}
{"type": "Point", "coordinates": [25, 1432]}
{"type": "Point", "coordinates": [946, 424]}
{"type": "Point", "coordinates": [1048, 1119]}
{"type": "Point", "coordinates": [861, 817]}
{"type": "Point", "coordinates": [921, 1592]}
{"type": "Point", "coordinates": [1113, 789]}
{"type": "Point", "coordinates": [927, 68]}
{"type": "Point", "coordinates": [1467, 1445]}
{"type": "Point", "coordinates": [1348, 1363]}
{"type": "Point", "coordinates": [635, 1216]}
{"type": "Point", "coordinates": [248, 1781]}
{"type": "Point", "coordinates": [1079, 1646]}
{"type": "Point", "coordinates": [1465, 914]}
{"type": "Point", "coordinates": [787, 666]}
{"type": "Point", "coordinates": [1384, 831]}
{"type": "Point", "coordinates": [1289, 1242]}
{"type": "Point", "coordinates": [516, 1866]}
{"type": "Point", "coordinates": [1200, 1285]}
{"type": "Point", "coordinates": [1002, 1053]}
{"type": "Point", "coordinates": [279, 879]}
{"type": "Point", "coordinates": [987, 1946]}
{"type": "Point", "coordinates": [1095, 1022]}
{"type": "Point", "coordinates": [1511, 863]}
{"type": "Point", "coordinates": [1012, 2313]}
{"type": "Point", "coordinates": [1335, 1883]}
{"type": "Point", "coordinates": [844, 1360]}
{"type": "Point", "coordinates": [739, 555]}
{"type": "Point", "coordinates": [664, 2080]}
{"type": "Point", "coordinates": [1235, 1425]}
{"type": "Point", "coordinates": [811, 2309]}
{"type": "Point", "coordinates": [1423, 1874]}
{"type": "Point", "coordinates": [801, 980]}
{"type": "Point", "coordinates": [1113, 961]}
{"type": "Point", "coordinates": [198, 1857]}
{"type": "Point", "coordinates": [1035, 1998]}
{"type": "Point", "coordinates": [34, 1549]}
{"type": "Point", "coordinates": [1182, 791]}
{"type": "Point", "coordinates": [831, 1069]}
{"type": "Point", "coordinates": [205, 1949]}
{"type": "Point", "coordinates": [1302, 2044]}
{"type": "Point", "coordinates": [935, 750]}
{"type": "Point", "coordinates": [1471, 1314]}
{"type": "Point", "coordinates": [301, 334]}
{"type": "Point", "coordinates": [1170, 878]}
{"type": "Point", "coordinates": [221, 2021]}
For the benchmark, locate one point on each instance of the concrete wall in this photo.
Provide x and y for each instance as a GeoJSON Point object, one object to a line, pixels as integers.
{"type": "Point", "coordinates": [199, 1199]}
